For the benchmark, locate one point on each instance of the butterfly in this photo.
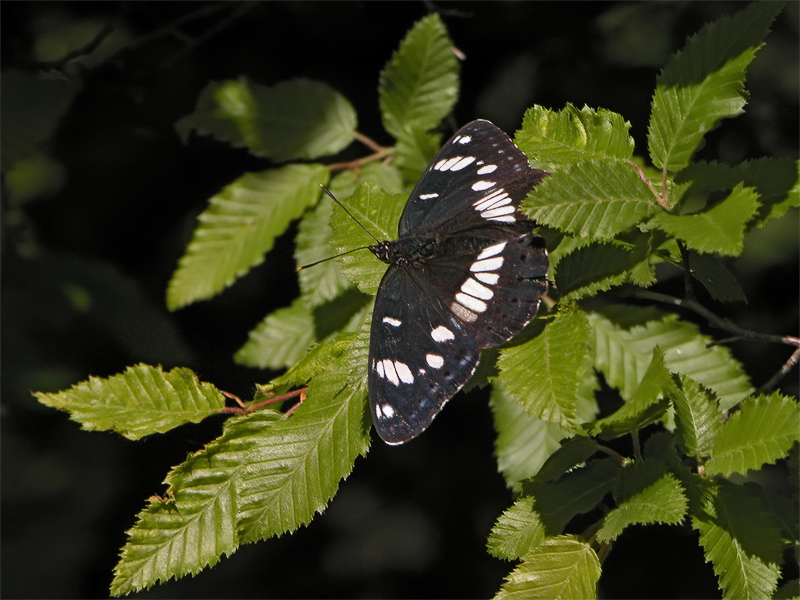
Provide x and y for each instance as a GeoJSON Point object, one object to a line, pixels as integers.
{"type": "Point", "coordinates": [466, 272]}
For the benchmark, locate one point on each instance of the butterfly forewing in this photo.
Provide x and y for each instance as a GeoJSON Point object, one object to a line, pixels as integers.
{"type": "Point", "coordinates": [465, 273]}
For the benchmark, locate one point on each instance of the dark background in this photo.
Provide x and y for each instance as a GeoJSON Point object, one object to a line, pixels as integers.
{"type": "Point", "coordinates": [86, 265]}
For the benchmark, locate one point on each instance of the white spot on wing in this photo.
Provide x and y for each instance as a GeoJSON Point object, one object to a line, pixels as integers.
{"type": "Point", "coordinates": [442, 334]}
{"type": "Point", "coordinates": [391, 373]}
{"type": "Point", "coordinates": [403, 372]}
{"type": "Point", "coordinates": [481, 185]}
{"type": "Point", "coordinates": [464, 139]}
{"type": "Point", "coordinates": [487, 169]}
{"type": "Point", "coordinates": [466, 161]}
{"type": "Point", "coordinates": [385, 411]}
{"type": "Point", "coordinates": [496, 212]}
{"type": "Point", "coordinates": [489, 264]}
{"type": "Point", "coordinates": [507, 219]}
{"type": "Point", "coordinates": [492, 250]}
{"type": "Point", "coordinates": [428, 196]}
{"type": "Point", "coordinates": [473, 288]}
{"type": "Point", "coordinates": [434, 360]}
{"type": "Point", "coordinates": [490, 278]}
{"type": "Point", "coordinates": [391, 321]}
{"type": "Point", "coordinates": [470, 302]}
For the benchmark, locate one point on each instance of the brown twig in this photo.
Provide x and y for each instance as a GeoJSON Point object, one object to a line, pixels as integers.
{"type": "Point", "coordinates": [248, 408]}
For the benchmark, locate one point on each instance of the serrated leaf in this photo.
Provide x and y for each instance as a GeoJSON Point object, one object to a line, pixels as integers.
{"type": "Point", "coordinates": [543, 374]}
{"type": "Point", "coordinates": [776, 180]}
{"type": "Point", "coordinates": [517, 531]}
{"type": "Point", "coordinates": [697, 416]}
{"type": "Point", "coordinates": [266, 475]}
{"type": "Point", "coordinates": [572, 135]}
{"type": "Point", "coordinates": [561, 567]}
{"type": "Point", "coordinates": [624, 339]}
{"type": "Point", "coordinates": [760, 432]}
{"type": "Point", "coordinates": [597, 267]}
{"type": "Point", "coordinates": [419, 86]}
{"type": "Point", "coordinates": [280, 339]}
{"type": "Point", "coordinates": [660, 502]}
{"type": "Point", "coordinates": [379, 213]}
{"type": "Point", "coordinates": [299, 118]}
{"type": "Point", "coordinates": [719, 229]}
{"type": "Point", "coordinates": [524, 442]}
{"type": "Point", "coordinates": [704, 83]}
{"type": "Point", "coordinates": [595, 199]}
{"type": "Point", "coordinates": [574, 493]}
{"type": "Point", "coordinates": [294, 471]}
{"type": "Point", "coordinates": [741, 541]}
{"type": "Point", "coordinates": [239, 227]}
{"type": "Point", "coordinates": [140, 401]}
{"type": "Point", "coordinates": [573, 452]}
{"type": "Point", "coordinates": [644, 407]}
{"type": "Point", "coordinates": [197, 526]}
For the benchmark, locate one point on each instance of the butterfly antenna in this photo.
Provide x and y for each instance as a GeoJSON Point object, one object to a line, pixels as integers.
{"type": "Point", "coordinates": [332, 197]}
{"type": "Point", "coordinates": [344, 208]}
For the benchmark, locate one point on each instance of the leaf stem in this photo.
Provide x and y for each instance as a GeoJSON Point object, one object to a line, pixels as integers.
{"type": "Point", "coordinates": [245, 409]}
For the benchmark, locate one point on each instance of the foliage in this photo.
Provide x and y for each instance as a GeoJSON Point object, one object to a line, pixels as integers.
{"type": "Point", "coordinates": [609, 223]}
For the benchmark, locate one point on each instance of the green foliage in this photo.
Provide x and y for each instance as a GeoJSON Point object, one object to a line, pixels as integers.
{"type": "Point", "coordinates": [592, 370]}
{"type": "Point", "coordinates": [141, 401]}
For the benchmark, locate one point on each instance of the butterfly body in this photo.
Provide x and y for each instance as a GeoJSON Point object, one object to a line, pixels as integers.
{"type": "Point", "coordinates": [465, 273]}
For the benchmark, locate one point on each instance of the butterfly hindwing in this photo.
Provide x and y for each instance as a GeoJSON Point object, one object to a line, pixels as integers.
{"type": "Point", "coordinates": [419, 356]}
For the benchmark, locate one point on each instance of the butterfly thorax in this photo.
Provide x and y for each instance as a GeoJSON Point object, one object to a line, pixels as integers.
{"type": "Point", "coordinates": [405, 250]}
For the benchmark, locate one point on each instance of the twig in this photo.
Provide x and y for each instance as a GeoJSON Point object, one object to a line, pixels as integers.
{"type": "Point", "coordinates": [244, 409]}
{"type": "Point", "coordinates": [84, 50]}
{"type": "Point", "coordinates": [787, 366]}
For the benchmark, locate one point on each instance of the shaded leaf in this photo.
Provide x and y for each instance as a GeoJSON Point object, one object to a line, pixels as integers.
{"type": "Point", "coordinates": [299, 118]}
{"type": "Point", "coordinates": [716, 278]}
{"type": "Point", "coordinates": [280, 340]}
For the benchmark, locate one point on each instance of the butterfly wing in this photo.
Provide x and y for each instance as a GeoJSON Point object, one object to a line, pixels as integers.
{"type": "Point", "coordinates": [420, 355]}
{"type": "Point", "coordinates": [477, 179]}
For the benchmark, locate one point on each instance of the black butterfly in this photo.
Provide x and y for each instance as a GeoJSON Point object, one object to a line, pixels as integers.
{"type": "Point", "coordinates": [465, 273]}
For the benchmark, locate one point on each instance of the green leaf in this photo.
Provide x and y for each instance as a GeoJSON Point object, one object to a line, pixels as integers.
{"type": "Point", "coordinates": [572, 135]}
{"type": "Point", "coordinates": [414, 150]}
{"type": "Point", "coordinates": [595, 199]}
{"type": "Point", "coordinates": [299, 118]}
{"type": "Point", "coordinates": [524, 442]}
{"type": "Point", "coordinates": [760, 432]}
{"type": "Point", "coordinates": [561, 567]}
{"type": "Point", "coordinates": [197, 526]}
{"type": "Point", "coordinates": [574, 493]}
{"type": "Point", "coordinates": [741, 541]}
{"type": "Point", "coordinates": [419, 86]}
{"type": "Point", "coordinates": [141, 401]}
{"type": "Point", "coordinates": [624, 339]}
{"type": "Point", "coordinates": [598, 267]}
{"type": "Point", "coordinates": [239, 227]}
{"type": "Point", "coordinates": [294, 471]}
{"type": "Point", "coordinates": [704, 83]}
{"type": "Point", "coordinates": [573, 452]}
{"type": "Point", "coordinates": [660, 502]}
{"type": "Point", "coordinates": [644, 407]}
{"type": "Point", "coordinates": [280, 340]}
{"type": "Point", "coordinates": [776, 180]}
{"type": "Point", "coordinates": [544, 373]}
{"type": "Point", "coordinates": [697, 416]}
{"type": "Point", "coordinates": [517, 531]}
{"type": "Point", "coordinates": [719, 229]}
{"type": "Point", "coordinates": [379, 213]}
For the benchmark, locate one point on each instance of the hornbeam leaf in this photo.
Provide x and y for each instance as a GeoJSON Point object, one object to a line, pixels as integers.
{"type": "Point", "coordinates": [239, 227]}
{"type": "Point", "coordinates": [760, 432]}
{"type": "Point", "coordinates": [704, 83]}
{"type": "Point", "coordinates": [561, 567]}
{"type": "Point", "coordinates": [141, 401]}
{"type": "Point", "coordinates": [419, 85]}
